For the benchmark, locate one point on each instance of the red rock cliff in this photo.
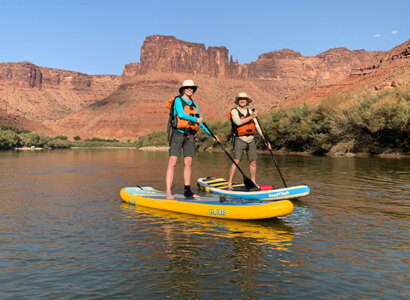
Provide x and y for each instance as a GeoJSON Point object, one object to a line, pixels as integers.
{"type": "Point", "coordinates": [166, 54]}
{"type": "Point", "coordinates": [39, 94]}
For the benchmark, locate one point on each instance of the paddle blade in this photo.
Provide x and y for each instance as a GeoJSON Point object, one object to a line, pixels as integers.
{"type": "Point", "coordinates": [248, 183]}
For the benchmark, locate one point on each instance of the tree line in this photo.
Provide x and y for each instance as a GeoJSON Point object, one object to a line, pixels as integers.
{"type": "Point", "coordinates": [12, 137]}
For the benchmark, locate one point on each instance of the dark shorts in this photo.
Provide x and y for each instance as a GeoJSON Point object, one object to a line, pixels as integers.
{"type": "Point", "coordinates": [179, 142]}
{"type": "Point", "coordinates": [241, 146]}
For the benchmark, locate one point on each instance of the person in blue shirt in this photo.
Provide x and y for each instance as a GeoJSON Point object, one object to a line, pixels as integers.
{"type": "Point", "coordinates": [186, 123]}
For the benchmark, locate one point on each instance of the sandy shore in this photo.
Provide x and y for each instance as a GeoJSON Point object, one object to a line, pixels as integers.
{"type": "Point", "coordinates": [153, 148]}
{"type": "Point", "coordinates": [32, 148]}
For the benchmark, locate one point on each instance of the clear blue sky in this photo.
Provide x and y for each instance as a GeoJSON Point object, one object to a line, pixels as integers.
{"type": "Point", "coordinates": [101, 36]}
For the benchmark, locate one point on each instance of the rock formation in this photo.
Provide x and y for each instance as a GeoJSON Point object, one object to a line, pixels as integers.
{"type": "Point", "coordinates": [40, 94]}
{"type": "Point", "coordinates": [288, 71]}
{"type": "Point", "coordinates": [72, 103]}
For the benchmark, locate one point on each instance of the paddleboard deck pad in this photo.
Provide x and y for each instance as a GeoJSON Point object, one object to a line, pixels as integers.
{"type": "Point", "coordinates": [220, 186]}
{"type": "Point", "coordinates": [216, 207]}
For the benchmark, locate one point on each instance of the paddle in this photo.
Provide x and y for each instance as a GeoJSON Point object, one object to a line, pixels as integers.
{"type": "Point", "coordinates": [274, 159]}
{"type": "Point", "coordinates": [249, 184]}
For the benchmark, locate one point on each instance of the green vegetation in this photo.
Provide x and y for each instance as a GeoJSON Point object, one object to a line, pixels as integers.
{"type": "Point", "coordinates": [99, 142]}
{"type": "Point", "coordinates": [98, 104]}
{"type": "Point", "coordinates": [61, 137]}
{"type": "Point", "coordinates": [339, 124]}
{"type": "Point", "coordinates": [101, 103]}
{"type": "Point", "coordinates": [342, 124]}
{"type": "Point", "coordinates": [222, 129]}
{"type": "Point", "coordinates": [155, 139]}
{"type": "Point", "coordinates": [12, 137]}
{"type": "Point", "coordinates": [377, 124]}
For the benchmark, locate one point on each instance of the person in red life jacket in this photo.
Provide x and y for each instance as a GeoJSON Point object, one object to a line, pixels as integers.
{"type": "Point", "coordinates": [244, 126]}
{"type": "Point", "coordinates": [186, 123]}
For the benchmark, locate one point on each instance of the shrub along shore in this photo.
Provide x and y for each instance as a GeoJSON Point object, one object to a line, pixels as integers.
{"type": "Point", "coordinates": [339, 125]}
{"type": "Point", "coordinates": [14, 138]}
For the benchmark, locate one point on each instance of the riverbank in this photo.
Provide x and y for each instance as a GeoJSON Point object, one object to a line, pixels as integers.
{"type": "Point", "coordinates": [32, 148]}
{"type": "Point", "coordinates": [103, 147]}
{"type": "Point", "coordinates": [276, 152]}
{"type": "Point", "coordinates": [283, 152]}
{"type": "Point", "coordinates": [154, 148]}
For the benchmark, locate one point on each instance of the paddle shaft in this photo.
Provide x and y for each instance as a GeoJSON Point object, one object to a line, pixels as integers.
{"type": "Point", "coordinates": [274, 159]}
{"type": "Point", "coordinates": [230, 157]}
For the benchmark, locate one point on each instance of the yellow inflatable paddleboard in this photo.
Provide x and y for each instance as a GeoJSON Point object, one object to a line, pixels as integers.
{"type": "Point", "coordinates": [216, 207]}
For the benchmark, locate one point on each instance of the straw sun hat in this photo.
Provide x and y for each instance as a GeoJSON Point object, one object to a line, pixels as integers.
{"type": "Point", "coordinates": [242, 95]}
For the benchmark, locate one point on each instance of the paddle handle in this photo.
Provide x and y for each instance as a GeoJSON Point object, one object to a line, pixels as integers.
{"type": "Point", "coordinates": [274, 159]}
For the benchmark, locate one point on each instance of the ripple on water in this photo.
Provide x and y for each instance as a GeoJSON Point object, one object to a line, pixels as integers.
{"type": "Point", "coordinates": [65, 234]}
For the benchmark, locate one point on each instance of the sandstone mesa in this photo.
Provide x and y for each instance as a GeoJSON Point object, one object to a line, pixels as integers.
{"type": "Point", "coordinates": [60, 102]}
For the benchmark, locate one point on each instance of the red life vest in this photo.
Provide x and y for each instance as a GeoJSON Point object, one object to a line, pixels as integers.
{"type": "Point", "coordinates": [244, 129]}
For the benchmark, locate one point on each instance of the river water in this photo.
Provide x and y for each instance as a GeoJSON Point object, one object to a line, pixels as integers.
{"type": "Point", "coordinates": [65, 234]}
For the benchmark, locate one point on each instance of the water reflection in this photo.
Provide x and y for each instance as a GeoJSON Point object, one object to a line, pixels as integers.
{"type": "Point", "coordinates": [273, 232]}
{"type": "Point", "coordinates": [65, 233]}
{"type": "Point", "coordinates": [198, 247]}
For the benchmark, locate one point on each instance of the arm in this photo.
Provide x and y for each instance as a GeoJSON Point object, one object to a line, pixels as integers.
{"type": "Point", "coordinates": [201, 124]}
{"type": "Point", "coordinates": [235, 117]}
{"type": "Point", "coordinates": [259, 129]}
{"type": "Point", "coordinates": [180, 111]}
{"type": "Point", "coordinates": [238, 121]}
{"type": "Point", "coordinates": [205, 129]}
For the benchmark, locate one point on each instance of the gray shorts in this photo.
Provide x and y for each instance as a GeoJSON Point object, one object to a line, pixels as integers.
{"type": "Point", "coordinates": [179, 142]}
{"type": "Point", "coordinates": [240, 146]}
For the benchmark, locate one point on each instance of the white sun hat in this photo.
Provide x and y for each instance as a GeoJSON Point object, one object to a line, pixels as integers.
{"type": "Point", "coordinates": [243, 95]}
{"type": "Point", "coordinates": [188, 83]}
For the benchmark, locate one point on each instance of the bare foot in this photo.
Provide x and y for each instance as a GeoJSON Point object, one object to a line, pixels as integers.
{"type": "Point", "coordinates": [195, 196]}
{"type": "Point", "coordinates": [229, 188]}
{"type": "Point", "coordinates": [170, 197]}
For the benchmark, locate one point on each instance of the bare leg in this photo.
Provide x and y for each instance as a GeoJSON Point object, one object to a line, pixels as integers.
{"type": "Point", "coordinates": [252, 170]}
{"type": "Point", "coordinates": [188, 171]}
{"type": "Point", "coordinates": [170, 175]}
{"type": "Point", "coordinates": [232, 171]}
